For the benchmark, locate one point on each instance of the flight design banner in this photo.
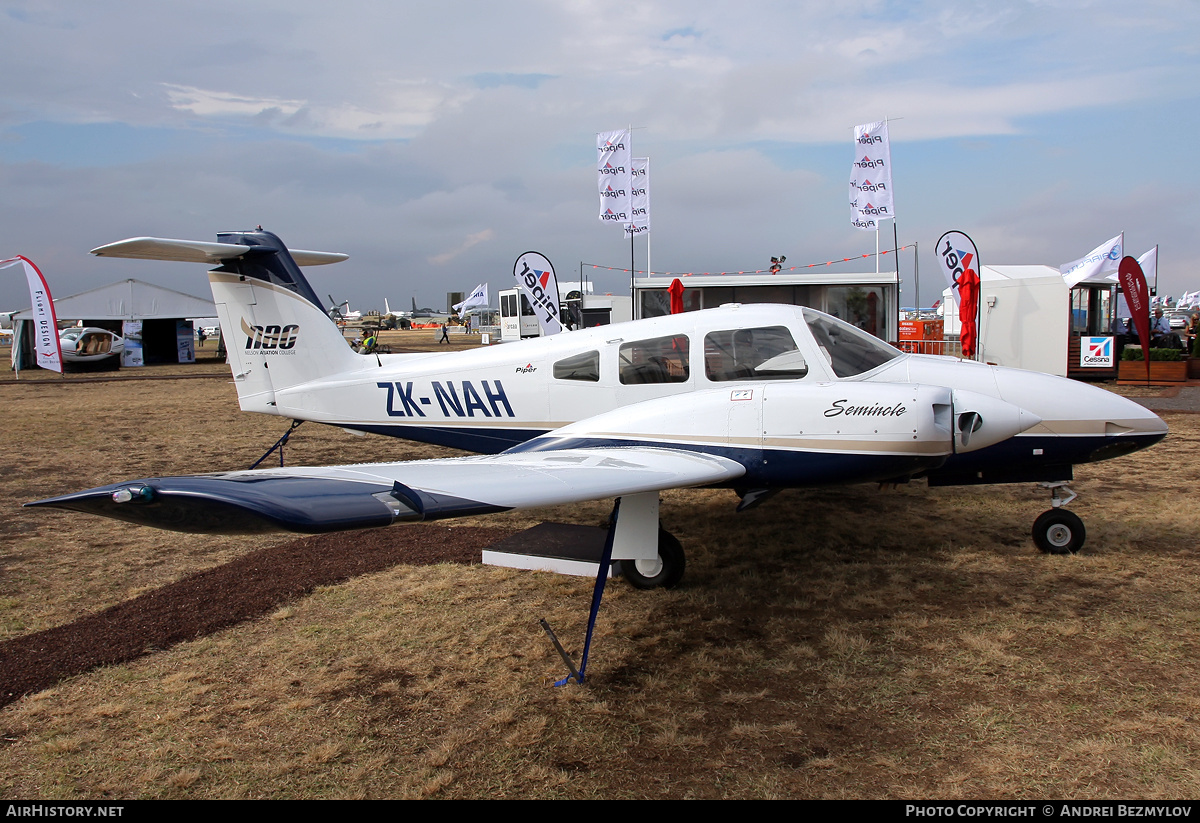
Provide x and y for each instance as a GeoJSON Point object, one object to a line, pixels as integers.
{"type": "Point", "coordinates": [45, 323]}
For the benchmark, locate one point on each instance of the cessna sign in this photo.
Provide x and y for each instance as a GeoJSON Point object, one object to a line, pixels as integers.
{"type": "Point", "coordinates": [1096, 352]}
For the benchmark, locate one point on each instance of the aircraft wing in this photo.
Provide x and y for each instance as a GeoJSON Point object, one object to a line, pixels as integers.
{"type": "Point", "coordinates": [201, 251]}
{"type": "Point", "coordinates": [334, 498]}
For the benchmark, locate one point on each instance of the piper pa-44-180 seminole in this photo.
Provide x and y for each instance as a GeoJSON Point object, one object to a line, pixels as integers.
{"type": "Point", "coordinates": [755, 398]}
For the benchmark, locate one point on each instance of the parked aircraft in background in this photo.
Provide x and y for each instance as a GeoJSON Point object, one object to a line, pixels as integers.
{"type": "Point", "coordinates": [341, 311]}
{"type": "Point", "coordinates": [427, 313]}
{"type": "Point", "coordinates": [755, 398]}
{"type": "Point", "coordinates": [387, 310]}
{"type": "Point", "coordinates": [88, 344]}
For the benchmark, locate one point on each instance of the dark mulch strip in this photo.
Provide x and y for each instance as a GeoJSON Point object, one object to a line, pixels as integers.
{"type": "Point", "coordinates": [249, 587]}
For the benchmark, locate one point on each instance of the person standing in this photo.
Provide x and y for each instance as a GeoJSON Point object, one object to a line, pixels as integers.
{"type": "Point", "coordinates": [445, 338]}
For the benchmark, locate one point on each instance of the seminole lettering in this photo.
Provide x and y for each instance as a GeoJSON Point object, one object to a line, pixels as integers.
{"type": "Point", "coordinates": [839, 407]}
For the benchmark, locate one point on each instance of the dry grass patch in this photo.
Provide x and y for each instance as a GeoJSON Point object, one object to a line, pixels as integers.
{"type": "Point", "coordinates": [832, 643]}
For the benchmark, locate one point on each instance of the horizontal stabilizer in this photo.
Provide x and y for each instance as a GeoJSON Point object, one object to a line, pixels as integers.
{"type": "Point", "coordinates": [334, 498]}
{"type": "Point", "coordinates": [202, 251]}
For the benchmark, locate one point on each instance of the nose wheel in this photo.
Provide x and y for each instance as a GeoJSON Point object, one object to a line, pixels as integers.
{"type": "Point", "coordinates": [1059, 531]}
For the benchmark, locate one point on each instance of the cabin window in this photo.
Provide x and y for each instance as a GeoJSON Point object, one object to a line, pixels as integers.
{"type": "Point", "coordinates": [660, 360]}
{"type": "Point", "coordinates": [848, 349]}
{"type": "Point", "coordinates": [584, 366]}
{"type": "Point", "coordinates": [752, 354]}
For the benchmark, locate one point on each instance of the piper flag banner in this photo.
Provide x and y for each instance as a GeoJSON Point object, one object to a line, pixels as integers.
{"type": "Point", "coordinates": [479, 297]}
{"type": "Point", "coordinates": [959, 261]}
{"type": "Point", "coordinates": [639, 192]}
{"type": "Point", "coordinates": [613, 161]}
{"type": "Point", "coordinates": [871, 177]}
{"type": "Point", "coordinates": [1098, 262]}
{"type": "Point", "coordinates": [45, 323]}
{"type": "Point", "coordinates": [536, 278]}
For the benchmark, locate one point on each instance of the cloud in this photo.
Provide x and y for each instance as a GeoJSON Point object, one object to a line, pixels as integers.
{"type": "Point", "coordinates": [395, 131]}
{"type": "Point", "coordinates": [472, 240]}
{"type": "Point", "coordinates": [227, 104]}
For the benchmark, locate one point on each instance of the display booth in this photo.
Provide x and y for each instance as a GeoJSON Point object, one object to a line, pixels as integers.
{"type": "Point", "coordinates": [159, 315]}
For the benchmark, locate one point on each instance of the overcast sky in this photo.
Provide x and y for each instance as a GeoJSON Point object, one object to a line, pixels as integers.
{"type": "Point", "coordinates": [435, 142]}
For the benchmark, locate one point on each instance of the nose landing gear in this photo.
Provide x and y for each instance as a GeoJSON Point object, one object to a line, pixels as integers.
{"type": "Point", "coordinates": [1059, 531]}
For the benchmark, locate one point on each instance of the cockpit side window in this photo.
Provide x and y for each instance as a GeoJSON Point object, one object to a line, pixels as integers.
{"type": "Point", "coordinates": [584, 366]}
{"type": "Point", "coordinates": [752, 354]}
{"type": "Point", "coordinates": [850, 350]}
{"type": "Point", "coordinates": [658, 360]}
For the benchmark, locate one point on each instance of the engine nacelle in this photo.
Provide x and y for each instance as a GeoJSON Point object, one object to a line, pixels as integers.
{"type": "Point", "coordinates": [981, 420]}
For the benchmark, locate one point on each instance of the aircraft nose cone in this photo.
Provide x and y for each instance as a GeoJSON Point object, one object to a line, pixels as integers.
{"type": "Point", "coordinates": [1071, 408]}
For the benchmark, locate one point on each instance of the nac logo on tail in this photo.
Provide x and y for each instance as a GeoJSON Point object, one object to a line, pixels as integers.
{"type": "Point", "coordinates": [270, 339]}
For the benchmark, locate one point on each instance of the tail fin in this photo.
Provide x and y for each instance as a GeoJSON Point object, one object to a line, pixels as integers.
{"type": "Point", "coordinates": [276, 332]}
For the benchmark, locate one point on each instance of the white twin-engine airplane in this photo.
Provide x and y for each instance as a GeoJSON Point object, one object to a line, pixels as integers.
{"type": "Point", "coordinates": [755, 398]}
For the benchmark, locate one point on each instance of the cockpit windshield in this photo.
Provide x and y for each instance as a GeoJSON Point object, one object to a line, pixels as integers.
{"type": "Point", "coordinates": [849, 350]}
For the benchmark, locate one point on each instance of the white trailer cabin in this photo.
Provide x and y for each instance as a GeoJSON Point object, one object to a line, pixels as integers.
{"type": "Point", "coordinates": [1030, 319]}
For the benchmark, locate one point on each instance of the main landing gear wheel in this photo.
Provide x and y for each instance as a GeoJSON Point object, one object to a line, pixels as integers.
{"type": "Point", "coordinates": [664, 571]}
{"type": "Point", "coordinates": [1059, 531]}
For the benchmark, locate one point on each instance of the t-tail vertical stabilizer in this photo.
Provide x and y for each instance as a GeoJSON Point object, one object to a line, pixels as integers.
{"type": "Point", "coordinates": [276, 331]}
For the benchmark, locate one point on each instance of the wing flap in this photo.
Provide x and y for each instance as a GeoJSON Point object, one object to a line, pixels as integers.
{"type": "Point", "coordinates": [334, 498]}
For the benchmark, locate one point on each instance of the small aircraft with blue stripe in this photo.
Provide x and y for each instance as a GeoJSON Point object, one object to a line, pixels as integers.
{"type": "Point", "coordinates": [754, 398]}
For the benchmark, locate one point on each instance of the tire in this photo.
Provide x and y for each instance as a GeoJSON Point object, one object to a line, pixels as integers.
{"type": "Point", "coordinates": [664, 572]}
{"type": "Point", "coordinates": [1059, 531]}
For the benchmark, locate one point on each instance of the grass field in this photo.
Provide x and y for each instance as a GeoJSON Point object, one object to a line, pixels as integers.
{"type": "Point", "coordinates": [845, 642]}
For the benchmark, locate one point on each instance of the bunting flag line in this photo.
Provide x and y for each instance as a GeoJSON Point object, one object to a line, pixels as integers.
{"type": "Point", "coordinates": [748, 271]}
